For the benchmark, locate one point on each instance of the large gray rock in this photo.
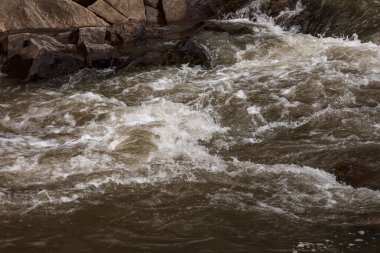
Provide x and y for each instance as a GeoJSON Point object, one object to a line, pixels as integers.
{"type": "Point", "coordinates": [107, 12]}
{"type": "Point", "coordinates": [134, 9]}
{"type": "Point", "coordinates": [45, 14]}
{"type": "Point", "coordinates": [33, 57]}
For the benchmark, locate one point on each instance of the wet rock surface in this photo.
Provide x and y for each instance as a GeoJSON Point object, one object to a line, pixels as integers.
{"type": "Point", "coordinates": [331, 18]}
{"type": "Point", "coordinates": [33, 57]}
{"type": "Point", "coordinates": [96, 27]}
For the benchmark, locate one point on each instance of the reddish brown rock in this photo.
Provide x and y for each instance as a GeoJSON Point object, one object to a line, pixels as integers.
{"type": "Point", "coordinates": [134, 9]}
{"type": "Point", "coordinates": [45, 14]}
{"type": "Point", "coordinates": [93, 35]}
{"type": "Point", "coordinates": [175, 10]}
{"type": "Point", "coordinates": [107, 12]}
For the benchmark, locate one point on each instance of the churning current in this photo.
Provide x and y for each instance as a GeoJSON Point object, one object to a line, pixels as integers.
{"type": "Point", "coordinates": [252, 155]}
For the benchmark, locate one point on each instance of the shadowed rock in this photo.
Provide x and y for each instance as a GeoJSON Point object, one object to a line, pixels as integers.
{"type": "Point", "coordinates": [230, 28]}
{"type": "Point", "coordinates": [101, 56]}
{"type": "Point", "coordinates": [185, 51]}
{"type": "Point", "coordinates": [332, 18]}
{"type": "Point", "coordinates": [124, 32]}
{"type": "Point", "coordinates": [32, 57]}
{"type": "Point", "coordinates": [84, 3]}
{"type": "Point", "coordinates": [152, 3]}
{"type": "Point", "coordinates": [152, 15]}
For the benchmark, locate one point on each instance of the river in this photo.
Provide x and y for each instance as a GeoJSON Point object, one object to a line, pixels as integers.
{"type": "Point", "coordinates": [252, 155]}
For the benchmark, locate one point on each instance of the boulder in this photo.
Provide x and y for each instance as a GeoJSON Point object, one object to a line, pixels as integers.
{"type": "Point", "coordinates": [184, 52]}
{"type": "Point", "coordinates": [230, 28]}
{"type": "Point", "coordinates": [121, 33]}
{"type": "Point", "coordinates": [200, 9]}
{"type": "Point", "coordinates": [33, 57]}
{"type": "Point", "coordinates": [332, 18]}
{"type": "Point", "coordinates": [64, 37]}
{"type": "Point", "coordinates": [375, 38]}
{"type": "Point", "coordinates": [93, 35]}
{"type": "Point", "coordinates": [357, 174]}
{"type": "Point", "coordinates": [101, 56]}
{"type": "Point", "coordinates": [175, 10]}
{"type": "Point", "coordinates": [222, 7]}
{"type": "Point", "coordinates": [152, 3]}
{"type": "Point", "coordinates": [106, 12]}
{"type": "Point", "coordinates": [152, 15]}
{"type": "Point", "coordinates": [134, 9]}
{"type": "Point", "coordinates": [278, 6]}
{"type": "Point", "coordinates": [45, 14]}
{"type": "Point", "coordinates": [150, 59]}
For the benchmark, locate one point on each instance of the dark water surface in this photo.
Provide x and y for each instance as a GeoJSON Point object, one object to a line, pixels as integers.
{"type": "Point", "coordinates": [275, 149]}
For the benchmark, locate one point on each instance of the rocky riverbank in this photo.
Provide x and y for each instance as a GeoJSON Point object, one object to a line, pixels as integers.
{"type": "Point", "coordinates": [42, 39]}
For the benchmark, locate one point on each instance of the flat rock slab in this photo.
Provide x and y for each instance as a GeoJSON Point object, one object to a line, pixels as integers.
{"type": "Point", "coordinates": [107, 12]}
{"type": "Point", "coordinates": [45, 14]}
{"type": "Point", "coordinates": [94, 35]}
{"type": "Point", "coordinates": [134, 9]}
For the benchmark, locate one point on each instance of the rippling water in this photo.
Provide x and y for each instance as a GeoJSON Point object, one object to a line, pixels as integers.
{"type": "Point", "coordinates": [240, 157]}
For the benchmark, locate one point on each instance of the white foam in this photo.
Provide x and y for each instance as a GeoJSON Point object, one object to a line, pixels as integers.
{"type": "Point", "coordinates": [162, 84]}
{"type": "Point", "coordinates": [253, 110]}
{"type": "Point", "coordinates": [240, 94]}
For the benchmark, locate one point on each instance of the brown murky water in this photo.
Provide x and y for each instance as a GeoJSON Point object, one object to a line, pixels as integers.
{"type": "Point", "coordinates": [241, 157]}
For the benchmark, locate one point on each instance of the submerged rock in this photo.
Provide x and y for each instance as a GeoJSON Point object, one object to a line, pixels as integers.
{"type": "Point", "coordinates": [187, 51]}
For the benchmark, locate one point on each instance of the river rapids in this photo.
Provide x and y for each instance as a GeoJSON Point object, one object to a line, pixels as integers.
{"type": "Point", "coordinates": [252, 155]}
